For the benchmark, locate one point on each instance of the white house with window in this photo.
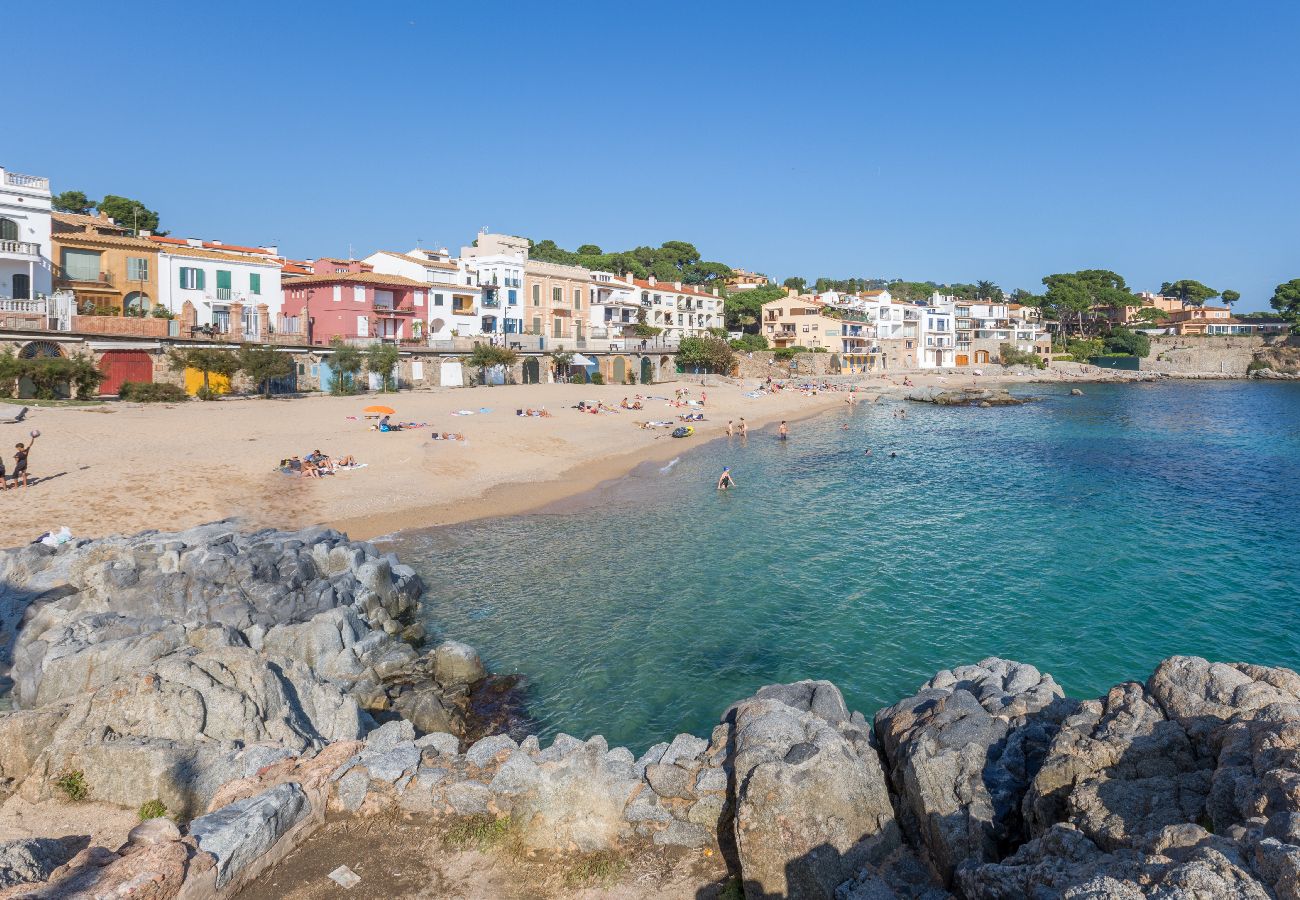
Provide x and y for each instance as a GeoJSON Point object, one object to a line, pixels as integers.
{"type": "Point", "coordinates": [25, 267]}
{"type": "Point", "coordinates": [451, 306]}
{"type": "Point", "coordinates": [497, 261]}
{"type": "Point", "coordinates": [211, 281]}
{"type": "Point", "coordinates": [938, 339]}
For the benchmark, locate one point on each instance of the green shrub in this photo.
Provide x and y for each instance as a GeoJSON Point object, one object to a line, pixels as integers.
{"type": "Point", "coordinates": [580, 377]}
{"type": "Point", "coordinates": [152, 392]}
{"type": "Point", "coordinates": [750, 342]}
{"type": "Point", "coordinates": [1010, 356]}
{"type": "Point", "coordinates": [597, 378]}
{"type": "Point", "coordinates": [820, 350]}
{"type": "Point", "coordinates": [153, 809]}
{"type": "Point", "coordinates": [708, 352]}
{"type": "Point", "coordinates": [785, 353]}
{"type": "Point", "coordinates": [207, 393]}
{"type": "Point", "coordinates": [73, 784]}
{"type": "Point", "coordinates": [1123, 342]}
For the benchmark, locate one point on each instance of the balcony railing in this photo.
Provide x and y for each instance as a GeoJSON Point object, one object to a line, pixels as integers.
{"type": "Point", "coordinates": [20, 248]}
{"type": "Point", "coordinates": [104, 277]}
{"type": "Point", "coordinates": [31, 181]}
{"type": "Point", "coordinates": [223, 294]}
{"type": "Point", "coordinates": [394, 310]}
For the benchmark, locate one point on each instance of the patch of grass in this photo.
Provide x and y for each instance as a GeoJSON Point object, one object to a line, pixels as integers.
{"type": "Point", "coordinates": [732, 890]}
{"type": "Point", "coordinates": [595, 869]}
{"type": "Point", "coordinates": [73, 784]}
{"type": "Point", "coordinates": [153, 809]}
{"type": "Point", "coordinates": [478, 832]}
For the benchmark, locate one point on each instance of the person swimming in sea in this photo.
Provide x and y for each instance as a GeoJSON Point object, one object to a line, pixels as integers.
{"type": "Point", "coordinates": [725, 480]}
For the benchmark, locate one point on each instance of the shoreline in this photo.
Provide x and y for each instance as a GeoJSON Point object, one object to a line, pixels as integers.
{"type": "Point", "coordinates": [122, 468]}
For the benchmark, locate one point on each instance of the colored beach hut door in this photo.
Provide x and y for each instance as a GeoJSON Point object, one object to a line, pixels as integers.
{"type": "Point", "coordinates": [121, 366]}
{"type": "Point", "coordinates": [219, 384]}
{"type": "Point", "coordinates": [647, 370]}
{"type": "Point", "coordinates": [532, 371]}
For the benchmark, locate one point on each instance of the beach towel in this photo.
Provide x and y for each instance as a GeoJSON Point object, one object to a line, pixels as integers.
{"type": "Point", "coordinates": [463, 412]}
{"type": "Point", "coordinates": [350, 468]}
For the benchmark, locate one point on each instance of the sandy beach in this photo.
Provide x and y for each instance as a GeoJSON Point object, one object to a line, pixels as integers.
{"type": "Point", "coordinates": [124, 468]}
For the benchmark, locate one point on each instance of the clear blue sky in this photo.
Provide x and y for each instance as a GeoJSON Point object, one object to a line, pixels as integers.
{"type": "Point", "coordinates": [953, 141]}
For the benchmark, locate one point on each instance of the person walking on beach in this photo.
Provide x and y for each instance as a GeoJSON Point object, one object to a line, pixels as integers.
{"type": "Point", "coordinates": [730, 428]}
{"type": "Point", "coordinates": [20, 459]}
{"type": "Point", "coordinates": [725, 480]}
{"type": "Point", "coordinates": [742, 428]}
{"type": "Point", "coordinates": [783, 432]}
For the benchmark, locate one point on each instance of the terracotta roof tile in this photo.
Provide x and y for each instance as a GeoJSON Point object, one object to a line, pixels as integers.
{"type": "Point", "coordinates": [105, 240]}
{"type": "Point", "coordinates": [667, 288]}
{"type": "Point", "coordinates": [77, 220]}
{"type": "Point", "coordinates": [432, 264]}
{"type": "Point", "coordinates": [360, 278]}
{"type": "Point", "coordinates": [213, 254]}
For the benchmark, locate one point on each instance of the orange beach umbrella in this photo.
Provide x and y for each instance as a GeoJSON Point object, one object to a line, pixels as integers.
{"type": "Point", "coordinates": [381, 410]}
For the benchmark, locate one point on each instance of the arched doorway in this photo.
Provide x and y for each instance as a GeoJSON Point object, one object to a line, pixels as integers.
{"type": "Point", "coordinates": [647, 370]}
{"type": "Point", "coordinates": [532, 371]}
{"type": "Point", "coordinates": [41, 350]}
{"type": "Point", "coordinates": [436, 327]}
{"type": "Point", "coordinates": [135, 304]}
{"type": "Point", "coordinates": [981, 356]}
{"type": "Point", "coordinates": [836, 366]}
{"type": "Point", "coordinates": [620, 370]}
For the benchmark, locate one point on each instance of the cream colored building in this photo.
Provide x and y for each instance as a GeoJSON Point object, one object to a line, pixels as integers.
{"type": "Point", "coordinates": [681, 310]}
{"type": "Point", "coordinates": [555, 300]}
{"type": "Point", "coordinates": [804, 321]}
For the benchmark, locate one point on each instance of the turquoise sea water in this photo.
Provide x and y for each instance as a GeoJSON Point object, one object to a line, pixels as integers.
{"type": "Point", "coordinates": [1091, 536]}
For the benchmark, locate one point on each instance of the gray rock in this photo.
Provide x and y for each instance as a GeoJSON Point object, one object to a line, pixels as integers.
{"type": "Point", "coordinates": [961, 753]}
{"type": "Point", "coordinates": [650, 757]}
{"type": "Point", "coordinates": [154, 831]}
{"type": "Point", "coordinates": [578, 802]}
{"type": "Point", "coordinates": [390, 765]}
{"type": "Point", "coordinates": [239, 833]}
{"type": "Point", "coordinates": [485, 751]}
{"type": "Point", "coordinates": [352, 788]}
{"type": "Point", "coordinates": [670, 781]}
{"type": "Point", "coordinates": [456, 664]}
{"type": "Point", "coordinates": [440, 742]}
{"type": "Point", "coordinates": [711, 780]}
{"type": "Point", "coordinates": [517, 775]}
{"type": "Point", "coordinates": [682, 834]}
{"type": "Point", "coordinates": [803, 828]}
{"type": "Point", "coordinates": [468, 798]}
{"type": "Point", "coordinates": [684, 749]}
{"type": "Point", "coordinates": [389, 735]}
{"type": "Point", "coordinates": [30, 860]}
{"type": "Point", "coordinates": [707, 811]}
{"type": "Point", "coordinates": [646, 808]}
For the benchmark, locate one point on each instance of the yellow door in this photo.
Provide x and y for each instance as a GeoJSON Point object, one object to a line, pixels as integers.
{"type": "Point", "coordinates": [963, 359]}
{"type": "Point", "coordinates": [220, 384]}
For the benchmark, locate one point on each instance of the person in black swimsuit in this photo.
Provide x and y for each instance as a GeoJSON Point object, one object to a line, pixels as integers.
{"type": "Point", "coordinates": [20, 462]}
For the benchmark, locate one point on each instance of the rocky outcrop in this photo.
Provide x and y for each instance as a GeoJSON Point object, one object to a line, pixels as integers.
{"type": "Point", "coordinates": [964, 397]}
{"type": "Point", "coordinates": [961, 753]}
{"type": "Point", "coordinates": [812, 807]}
{"type": "Point", "coordinates": [162, 666]}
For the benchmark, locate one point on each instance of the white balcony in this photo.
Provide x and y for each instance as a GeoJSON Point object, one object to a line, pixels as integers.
{"type": "Point", "coordinates": [24, 249]}
{"type": "Point", "coordinates": [27, 181]}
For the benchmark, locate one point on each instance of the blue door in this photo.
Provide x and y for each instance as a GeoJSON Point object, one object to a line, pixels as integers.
{"type": "Point", "coordinates": [325, 374]}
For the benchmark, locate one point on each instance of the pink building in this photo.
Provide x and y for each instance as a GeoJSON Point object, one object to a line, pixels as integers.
{"type": "Point", "coordinates": [348, 299]}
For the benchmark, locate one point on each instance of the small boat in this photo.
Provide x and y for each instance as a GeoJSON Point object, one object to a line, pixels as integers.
{"type": "Point", "coordinates": [683, 431]}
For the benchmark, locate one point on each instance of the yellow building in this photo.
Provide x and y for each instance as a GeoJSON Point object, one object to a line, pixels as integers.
{"type": "Point", "coordinates": [849, 335]}
{"type": "Point", "coordinates": [105, 268]}
{"type": "Point", "coordinates": [555, 300]}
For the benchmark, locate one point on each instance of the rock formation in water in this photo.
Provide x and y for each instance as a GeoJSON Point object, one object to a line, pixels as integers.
{"type": "Point", "coordinates": [238, 684]}
{"type": "Point", "coordinates": [964, 396]}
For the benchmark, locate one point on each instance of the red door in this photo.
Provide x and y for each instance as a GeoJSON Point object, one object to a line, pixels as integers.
{"type": "Point", "coordinates": [124, 365]}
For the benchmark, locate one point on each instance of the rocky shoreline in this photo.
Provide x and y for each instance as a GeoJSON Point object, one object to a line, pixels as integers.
{"type": "Point", "coordinates": [256, 684]}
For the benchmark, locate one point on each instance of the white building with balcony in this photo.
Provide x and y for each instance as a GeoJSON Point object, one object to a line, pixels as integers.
{"type": "Point", "coordinates": [614, 307]}
{"type": "Point", "coordinates": [453, 307]}
{"type": "Point", "coordinates": [938, 335]}
{"type": "Point", "coordinates": [497, 260]}
{"type": "Point", "coordinates": [26, 270]}
{"type": "Point", "coordinates": [212, 281]}
{"type": "Point", "coordinates": [681, 310]}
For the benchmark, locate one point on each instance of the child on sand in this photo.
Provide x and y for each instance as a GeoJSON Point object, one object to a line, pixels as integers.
{"type": "Point", "coordinates": [20, 459]}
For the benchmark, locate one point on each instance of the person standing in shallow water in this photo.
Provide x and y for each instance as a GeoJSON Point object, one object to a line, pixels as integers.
{"type": "Point", "coordinates": [725, 480]}
{"type": "Point", "coordinates": [784, 431]}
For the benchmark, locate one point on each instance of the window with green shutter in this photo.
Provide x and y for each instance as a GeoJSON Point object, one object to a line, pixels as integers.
{"type": "Point", "coordinates": [223, 284]}
{"type": "Point", "coordinates": [255, 283]}
{"type": "Point", "coordinates": [190, 279]}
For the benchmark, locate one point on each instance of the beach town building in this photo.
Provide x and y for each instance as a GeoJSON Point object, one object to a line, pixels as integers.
{"type": "Point", "coordinates": [349, 300]}
{"type": "Point", "coordinates": [26, 252]}
{"type": "Point", "coordinates": [452, 305]}
{"type": "Point", "coordinates": [742, 280]}
{"type": "Point", "coordinates": [497, 261]}
{"type": "Point", "coordinates": [555, 301]}
{"type": "Point", "coordinates": [807, 321]}
{"type": "Point", "coordinates": [107, 270]}
{"type": "Point", "coordinates": [938, 333]}
{"type": "Point", "coordinates": [614, 310]}
{"type": "Point", "coordinates": [898, 330]}
{"type": "Point", "coordinates": [234, 290]}
{"type": "Point", "coordinates": [681, 310]}
{"type": "Point", "coordinates": [1196, 320]}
